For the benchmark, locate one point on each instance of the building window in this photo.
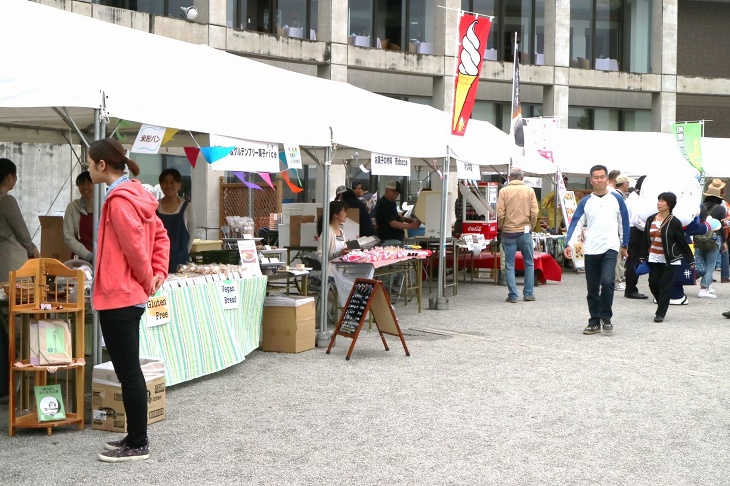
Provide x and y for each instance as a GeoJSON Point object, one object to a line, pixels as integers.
{"type": "Point", "coordinates": [286, 18]}
{"type": "Point", "coordinates": [170, 8]}
{"type": "Point", "coordinates": [500, 114]}
{"type": "Point", "coordinates": [526, 18]}
{"type": "Point", "coordinates": [399, 25]}
{"type": "Point", "coordinates": [610, 36]}
{"type": "Point", "coordinates": [607, 119]}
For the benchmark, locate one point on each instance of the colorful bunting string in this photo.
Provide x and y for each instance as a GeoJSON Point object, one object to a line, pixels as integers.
{"type": "Point", "coordinates": [192, 154]}
{"type": "Point", "coordinates": [169, 133]}
{"type": "Point", "coordinates": [118, 130]}
{"type": "Point", "coordinates": [267, 179]}
{"type": "Point", "coordinates": [242, 177]}
{"type": "Point", "coordinates": [214, 154]}
{"type": "Point", "coordinates": [289, 183]}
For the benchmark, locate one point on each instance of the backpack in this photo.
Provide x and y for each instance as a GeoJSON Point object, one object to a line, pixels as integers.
{"type": "Point", "coordinates": [706, 241]}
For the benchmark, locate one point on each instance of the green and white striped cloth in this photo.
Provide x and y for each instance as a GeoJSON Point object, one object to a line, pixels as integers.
{"type": "Point", "coordinates": [202, 338]}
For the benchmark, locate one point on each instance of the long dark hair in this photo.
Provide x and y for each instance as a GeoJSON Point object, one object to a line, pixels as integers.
{"type": "Point", "coordinates": [7, 167]}
{"type": "Point", "coordinates": [335, 208]}
{"type": "Point", "coordinates": [111, 151]}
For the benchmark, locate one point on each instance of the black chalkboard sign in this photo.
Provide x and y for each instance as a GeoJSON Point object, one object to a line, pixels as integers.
{"type": "Point", "coordinates": [367, 296]}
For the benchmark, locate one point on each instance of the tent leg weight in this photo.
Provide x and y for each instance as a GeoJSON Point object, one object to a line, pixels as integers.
{"type": "Point", "coordinates": [323, 339]}
{"type": "Point", "coordinates": [435, 303]}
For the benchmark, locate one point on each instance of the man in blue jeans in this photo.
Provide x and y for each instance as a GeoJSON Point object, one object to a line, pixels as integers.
{"type": "Point", "coordinates": [516, 217]}
{"type": "Point", "coordinates": [604, 216]}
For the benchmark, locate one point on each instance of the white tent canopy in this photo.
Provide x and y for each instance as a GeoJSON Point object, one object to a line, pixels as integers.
{"type": "Point", "coordinates": [175, 84]}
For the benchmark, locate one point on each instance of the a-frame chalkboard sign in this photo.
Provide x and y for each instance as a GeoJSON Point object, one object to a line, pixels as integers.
{"type": "Point", "coordinates": [367, 295]}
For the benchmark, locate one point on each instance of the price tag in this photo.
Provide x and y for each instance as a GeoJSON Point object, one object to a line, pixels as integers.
{"type": "Point", "coordinates": [228, 293]}
{"type": "Point", "coordinates": [158, 311]}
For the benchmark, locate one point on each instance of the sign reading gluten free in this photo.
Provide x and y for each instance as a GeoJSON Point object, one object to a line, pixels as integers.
{"type": "Point", "coordinates": [390, 165]}
{"type": "Point", "coordinates": [158, 310]}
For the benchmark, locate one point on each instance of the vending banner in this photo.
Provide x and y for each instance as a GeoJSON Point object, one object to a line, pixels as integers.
{"type": "Point", "coordinates": [689, 137]}
{"type": "Point", "coordinates": [473, 35]}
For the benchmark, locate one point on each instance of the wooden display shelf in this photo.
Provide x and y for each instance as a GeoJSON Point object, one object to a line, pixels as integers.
{"type": "Point", "coordinates": [50, 297]}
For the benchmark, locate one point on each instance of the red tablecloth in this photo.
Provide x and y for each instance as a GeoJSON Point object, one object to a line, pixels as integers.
{"type": "Point", "coordinates": [546, 268]}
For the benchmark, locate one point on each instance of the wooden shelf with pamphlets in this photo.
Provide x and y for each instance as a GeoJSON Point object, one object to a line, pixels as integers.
{"type": "Point", "coordinates": [46, 346]}
{"type": "Point", "coordinates": [367, 296]}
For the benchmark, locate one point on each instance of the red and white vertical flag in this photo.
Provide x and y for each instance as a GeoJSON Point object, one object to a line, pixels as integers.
{"type": "Point", "coordinates": [516, 126]}
{"type": "Point", "coordinates": [473, 35]}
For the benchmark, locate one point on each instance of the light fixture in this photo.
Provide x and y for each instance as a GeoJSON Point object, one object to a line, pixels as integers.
{"type": "Point", "coordinates": [189, 13]}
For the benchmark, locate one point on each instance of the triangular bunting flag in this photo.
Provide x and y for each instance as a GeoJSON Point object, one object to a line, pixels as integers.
{"type": "Point", "coordinates": [214, 154]}
{"type": "Point", "coordinates": [267, 179]}
{"type": "Point", "coordinates": [192, 154]}
{"type": "Point", "coordinates": [169, 133]}
{"type": "Point", "coordinates": [242, 177]}
{"type": "Point", "coordinates": [289, 183]}
{"type": "Point", "coordinates": [122, 124]}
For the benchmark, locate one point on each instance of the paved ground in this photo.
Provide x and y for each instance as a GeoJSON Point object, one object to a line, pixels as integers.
{"type": "Point", "coordinates": [493, 393]}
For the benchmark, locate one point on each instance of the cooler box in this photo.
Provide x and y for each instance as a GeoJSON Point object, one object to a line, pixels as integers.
{"type": "Point", "coordinates": [107, 408]}
{"type": "Point", "coordinates": [288, 324]}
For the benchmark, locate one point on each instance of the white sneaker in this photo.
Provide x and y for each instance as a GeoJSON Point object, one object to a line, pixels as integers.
{"type": "Point", "coordinates": [620, 286]}
{"type": "Point", "coordinates": [711, 290]}
{"type": "Point", "coordinates": [705, 294]}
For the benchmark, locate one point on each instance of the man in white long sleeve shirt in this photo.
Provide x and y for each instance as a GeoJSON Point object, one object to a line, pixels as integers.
{"type": "Point", "coordinates": [604, 216]}
{"type": "Point", "coordinates": [634, 249]}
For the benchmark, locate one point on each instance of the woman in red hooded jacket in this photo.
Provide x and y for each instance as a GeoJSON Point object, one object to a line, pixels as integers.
{"type": "Point", "coordinates": [131, 263]}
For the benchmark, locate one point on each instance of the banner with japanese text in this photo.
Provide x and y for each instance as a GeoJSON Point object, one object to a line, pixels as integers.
{"type": "Point", "coordinates": [247, 155]}
{"type": "Point", "coordinates": [473, 35]}
{"type": "Point", "coordinates": [468, 171]}
{"type": "Point", "coordinates": [148, 139]}
{"type": "Point", "coordinates": [689, 137]}
{"type": "Point", "coordinates": [390, 165]}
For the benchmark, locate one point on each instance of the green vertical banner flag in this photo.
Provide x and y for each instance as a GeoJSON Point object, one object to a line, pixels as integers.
{"type": "Point", "coordinates": [688, 136]}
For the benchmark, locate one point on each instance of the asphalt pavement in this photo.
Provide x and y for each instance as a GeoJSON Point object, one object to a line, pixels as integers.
{"type": "Point", "coordinates": [493, 393]}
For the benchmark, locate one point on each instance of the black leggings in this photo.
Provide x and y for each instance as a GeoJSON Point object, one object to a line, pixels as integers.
{"type": "Point", "coordinates": [120, 328]}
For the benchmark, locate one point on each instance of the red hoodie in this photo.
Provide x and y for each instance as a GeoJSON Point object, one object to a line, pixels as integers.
{"type": "Point", "coordinates": [133, 247]}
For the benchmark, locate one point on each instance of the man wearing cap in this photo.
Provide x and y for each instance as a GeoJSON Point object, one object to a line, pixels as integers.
{"type": "Point", "coordinates": [390, 224]}
{"type": "Point", "coordinates": [351, 201]}
{"type": "Point", "coordinates": [517, 211]}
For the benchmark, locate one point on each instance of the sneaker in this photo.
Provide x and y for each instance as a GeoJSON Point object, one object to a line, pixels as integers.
{"type": "Point", "coordinates": [607, 326]}
{"type": "Point", "coordinates": [511, 300]}
{"type": "Point", "coordinates": [592, 329]}
{"type": "Point", "coordinates": [683, 301]}
{"type": "Point", "coordinates": [711, 290]}
{"type": "Point", "coordinates": [726, 314]}
{"type": "Point", "coordinates": [529, 298]}
{"type": "Point", "coordinates": [620, 286]}
{"type": "Point", "coordinates": [705, 294]}
{"type": "Point", "coordinates": [113, 445]}
{"type": "Point", "coordinates": [658, 319]}
{"type": "Point", "coordinates": [126, 454]}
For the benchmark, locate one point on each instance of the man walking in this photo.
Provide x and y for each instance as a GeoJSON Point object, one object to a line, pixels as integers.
{"type": "Point", "coordinates": [604, 216]}
{"type": "Point", "coordinates": [516, 217]}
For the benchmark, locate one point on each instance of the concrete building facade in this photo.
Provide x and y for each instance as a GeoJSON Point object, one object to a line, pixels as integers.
{"type": "Point", "coordinates": [617, 65]}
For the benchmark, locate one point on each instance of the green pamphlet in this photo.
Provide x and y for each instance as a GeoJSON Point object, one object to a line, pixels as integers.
{"type": "Point", "coordinates": [49, 403]}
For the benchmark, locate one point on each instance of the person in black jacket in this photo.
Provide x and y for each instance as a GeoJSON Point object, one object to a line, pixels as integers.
{"type": "Point", "coordinates": [663, 246]}
{"type": "Point", "coordinates": [348, 197]}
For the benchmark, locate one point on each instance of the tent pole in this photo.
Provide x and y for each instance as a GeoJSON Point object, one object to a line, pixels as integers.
{"type": "Point", "coordinates": [99, 132]}
{"type": "Point", "coordinates": [442, 302]}
{"type": "Point", "coordinates": [323, 335]}
{"type": "Point", "coordinates": [69, 121]}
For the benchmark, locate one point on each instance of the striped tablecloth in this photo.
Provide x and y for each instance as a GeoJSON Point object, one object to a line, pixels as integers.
{"type": "Point", "coordinates": [202, 338]}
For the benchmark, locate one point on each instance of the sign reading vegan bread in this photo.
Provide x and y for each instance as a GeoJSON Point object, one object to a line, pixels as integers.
{"type": "Point", "coordinates": [367, 296]}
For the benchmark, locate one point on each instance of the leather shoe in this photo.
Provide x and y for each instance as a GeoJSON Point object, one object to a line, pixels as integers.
{"type": "Point", "coordinates": [725, 280]}
{"type": "Point", "coordinates": [726, 314]}
{"type": "Point", "coordinates": [636, 295]}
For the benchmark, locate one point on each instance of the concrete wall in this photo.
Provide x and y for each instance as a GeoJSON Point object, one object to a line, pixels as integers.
{"type": "Point", "coordinates": [46, 176]}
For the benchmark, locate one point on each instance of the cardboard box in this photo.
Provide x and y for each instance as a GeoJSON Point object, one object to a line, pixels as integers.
{"type": "Point", "coordinates": [107, 408]}
{"type": "Point", "coordinates": [205, 245]}
{"type": "Point", "coordinates": [308, 234]}
{"type": "Point", "coordinates": [52, 244]}
{"type": "Point", "coordinates": [295, 223]}
{"type": "Point", "coordinates": [288, 327]}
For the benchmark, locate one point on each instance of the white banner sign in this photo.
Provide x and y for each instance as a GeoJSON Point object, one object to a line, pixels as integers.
{"type": "Point", "coordinates": [246, 156]}
{"type": "Point", "coordinates": [229, 294]}
{"type": "Point", "coordinates": [470, 172]}
{"type": "Point", "coordinates": [293, 156]}
{"type": "Point", "coordinates": [148, 139]}
{"type": "Point", "coordinates": [390, 165]}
